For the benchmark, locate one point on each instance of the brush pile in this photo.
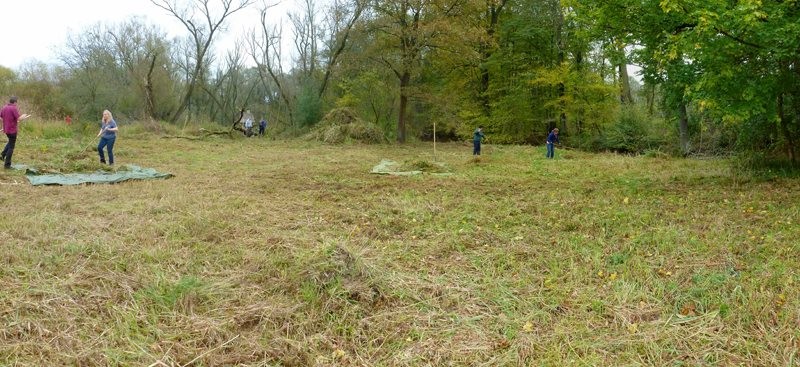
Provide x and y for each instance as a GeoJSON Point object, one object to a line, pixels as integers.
{"type": "Point", "coordinates": [341, 125]}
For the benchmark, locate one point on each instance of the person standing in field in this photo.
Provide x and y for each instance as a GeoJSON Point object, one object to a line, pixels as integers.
{"type": "Point", "coordinates": [477, 137]}
{"type": "Point", "coordinates": [248, 127]}
{"type": "Point", "coordinates": [11, 117]}
{"type": "Point", "coordinates": [108, 135]}
{"type": "Point", "coordinates": [262, 125]}
{"type": "Point", "coordinates": [551, 140]}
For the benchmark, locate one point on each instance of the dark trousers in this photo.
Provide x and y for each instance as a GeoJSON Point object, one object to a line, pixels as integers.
{"type": "Point", "coordinates": [8, 151]}
{"type": "Point", "coordinates": [551, 151]}
{"type": "Point", "coordinates": [106, 143]}
{"type": "Point", "coordinates": [476, 147]}
{"type": "Point", "coordinates": [261, 130]}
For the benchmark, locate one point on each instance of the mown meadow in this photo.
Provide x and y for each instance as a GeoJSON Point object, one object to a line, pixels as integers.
{"type": "Point", "coordinates": [262, 252]}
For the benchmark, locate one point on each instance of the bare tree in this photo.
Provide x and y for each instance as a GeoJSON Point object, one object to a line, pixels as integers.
{"type": "Point", "coordinates": [265, 49]}
{"type": "Point", "coordinates": [202, 29]}
{"type": "Point", "coordinates": [304, 25]}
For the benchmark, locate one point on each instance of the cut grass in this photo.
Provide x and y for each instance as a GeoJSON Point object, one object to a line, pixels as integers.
{"type": "Point", "coordinates": [264, 252]}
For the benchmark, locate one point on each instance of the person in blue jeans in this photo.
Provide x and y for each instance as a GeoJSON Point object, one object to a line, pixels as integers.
{"type": "Point", "coordinates": [107, 134]}
{"type": "Point", "coordinates": [552, 139]}
{"type": "Point", "coordinates": [476, 140]}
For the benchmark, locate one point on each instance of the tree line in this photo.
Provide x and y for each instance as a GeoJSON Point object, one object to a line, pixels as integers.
{"type": "Point", "coordinates": [715, 76]}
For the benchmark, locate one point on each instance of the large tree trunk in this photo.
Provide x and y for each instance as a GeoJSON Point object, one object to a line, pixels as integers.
{"type": "Point", "coordinates": [493, 14]}
{"type": "Point", "coordinates": [787, 134]}
{"type": "Point", "coordinates": [559, 41]}
{"type": "Point", "coordinates": [624, 83]}
{"type": "Point", "coordinates": [683, 126]}
{"type": "Point", "coordinates": [150, 104]}
{"type": "Point", "coordinates": [405, 79]}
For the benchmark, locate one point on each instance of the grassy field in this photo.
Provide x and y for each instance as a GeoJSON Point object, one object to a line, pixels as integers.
{"type": "Point", "coordinates": [269, 253]}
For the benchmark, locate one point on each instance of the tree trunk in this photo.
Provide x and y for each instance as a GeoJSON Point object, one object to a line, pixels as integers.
{"type": "Point", "coordinates": [559, 41]}
{"type": "Point", "coordinates": [787, 134]}
{"type": "Point", "coordinates": [683, 126]}
{"type": "Point", "coordinates": [624, 83]}
{"type": "Point", "coordinates": [486, 52]}
{"type": "Point", "coordinates": [405, 80]}
{"type": "Point", "coordinates": [150, 104]}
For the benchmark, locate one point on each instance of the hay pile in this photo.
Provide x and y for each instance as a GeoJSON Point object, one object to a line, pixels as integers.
{"type": "Point", "coordinates": [341, 125]}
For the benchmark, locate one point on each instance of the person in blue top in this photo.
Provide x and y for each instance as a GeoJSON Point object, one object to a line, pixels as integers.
{"type": "Point", "coordinates": [476, 140]}
{"type": "Point", "coordinates": [551, 140]}
{"type": "Point", "coordinates": [107, 134]}
{"type": "Point", "coordinates": [262, 126]}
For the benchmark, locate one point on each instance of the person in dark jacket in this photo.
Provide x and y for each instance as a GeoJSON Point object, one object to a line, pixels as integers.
{"type": "Point", "coordinates": [262, 126]}
{"type": "Point", "coordinates": [552, 139]}
{"type": "Point", "coordinates": [477, 137]}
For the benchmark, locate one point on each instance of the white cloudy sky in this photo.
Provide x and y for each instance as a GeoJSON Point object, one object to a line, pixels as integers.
{"type": "Point", "coordinates": [37, 29]}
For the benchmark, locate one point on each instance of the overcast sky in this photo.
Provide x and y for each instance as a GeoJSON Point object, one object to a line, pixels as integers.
{"type": "Point", "coordinates": [37, 29]}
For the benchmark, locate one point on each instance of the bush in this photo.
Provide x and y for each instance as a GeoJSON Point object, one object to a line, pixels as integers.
{"type": "Point", "coordinates": [633, 132]}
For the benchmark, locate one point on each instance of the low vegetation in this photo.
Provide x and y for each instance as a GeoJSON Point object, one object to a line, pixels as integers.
{"type": "Point", "coordinates": [262, 252]}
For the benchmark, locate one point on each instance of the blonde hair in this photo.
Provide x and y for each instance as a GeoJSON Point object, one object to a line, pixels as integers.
{"type": "Point", "coordinates": [110, 117]}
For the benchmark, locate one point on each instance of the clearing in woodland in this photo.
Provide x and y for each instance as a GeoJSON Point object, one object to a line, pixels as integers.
{"type": "Point", "coordinates": [268, 253]}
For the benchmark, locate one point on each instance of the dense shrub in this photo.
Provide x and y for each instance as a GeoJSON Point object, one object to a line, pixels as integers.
{"type": "Point", "coordinates": [633, 132]}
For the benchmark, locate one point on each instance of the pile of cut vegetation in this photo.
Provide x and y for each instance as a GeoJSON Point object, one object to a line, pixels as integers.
{"type": "Point", "coordinates": [341, 125]}
{"type": "Point", "coordinates": [425, 167]}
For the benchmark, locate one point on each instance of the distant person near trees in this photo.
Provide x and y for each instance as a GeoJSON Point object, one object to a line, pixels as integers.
{"type": "Point", "coordinates": [262, 125]}
{"type": "Point", "coordinates": [108, 135]}
{"type": "Point", "coordinates": [552, 139]}
{"type": "Point", "coordinates": [11, 117]}
{"type": "Point", "coordinates": [68, 120]}
{"type": "Point", "coordinates": [248, 127]}
{"type": "Point", "coordinates": [477, 137]}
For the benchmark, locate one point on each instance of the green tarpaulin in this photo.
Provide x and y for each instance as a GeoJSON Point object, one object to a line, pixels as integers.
{"type": "Point", "coordinates": [129, 172]}
{"type": "Point", "coordinates": [389, 167]}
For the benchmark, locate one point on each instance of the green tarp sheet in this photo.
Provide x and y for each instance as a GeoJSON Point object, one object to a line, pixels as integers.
{"type": "Point", "coordinates": [389, 167]}
{"type": "Point", "coordinates": [129, 172]}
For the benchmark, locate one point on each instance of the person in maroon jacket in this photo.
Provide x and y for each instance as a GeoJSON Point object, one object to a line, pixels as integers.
{"type": "Point", "coordinates": [11, 117]}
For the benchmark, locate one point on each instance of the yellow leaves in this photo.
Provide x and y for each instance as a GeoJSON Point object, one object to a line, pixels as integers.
{"type": "Point", "coordinates": [528, 327]}
{"type": "Point", "coordinates": [668, 6]}
{"type": "Point", "coordinates": [633, 328]}
{"type": "Point", "coordinates": [689, 309]}
{"type": "Point", "coordinates": [664, 273]}
{"type": "Point", "coordinates": [338, 354]}
{"type": "Point", "coordinates": [612, 276]}
{"type": "Point", "coordinates": [673, 54]}
{"type": "Point", "coordinates": [781, 300]}
{"type": "Point", "coordinates": [626, 200]}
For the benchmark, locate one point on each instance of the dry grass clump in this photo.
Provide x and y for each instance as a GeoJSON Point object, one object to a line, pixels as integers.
{"type": "Point", "coordinates": [424, 166]}
{"type": "Point", "coordinates": [341, 125]}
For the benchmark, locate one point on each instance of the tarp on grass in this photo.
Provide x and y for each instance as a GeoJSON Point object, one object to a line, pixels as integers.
{"type": "Point", "coordinates": [129, 172]}
{"type": "Point", "coordinates": [389, 167]}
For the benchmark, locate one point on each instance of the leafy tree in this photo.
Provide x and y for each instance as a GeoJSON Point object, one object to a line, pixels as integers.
{"type": "Point", "coordinates": [745, 52]}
